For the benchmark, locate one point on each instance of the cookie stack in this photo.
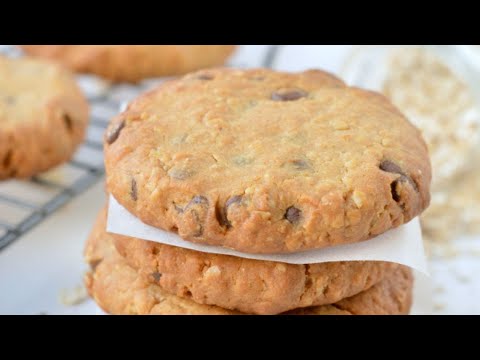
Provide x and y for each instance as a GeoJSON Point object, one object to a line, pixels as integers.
{"type": "Point", "coordinates": [261, 162]}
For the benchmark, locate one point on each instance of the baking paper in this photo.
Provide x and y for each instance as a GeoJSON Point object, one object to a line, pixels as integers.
{"type": "Point", "coordinates": [402, 245]}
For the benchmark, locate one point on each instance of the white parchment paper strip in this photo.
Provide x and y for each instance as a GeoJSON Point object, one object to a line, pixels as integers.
{"type": "Point", "coordinates": [402, 245]}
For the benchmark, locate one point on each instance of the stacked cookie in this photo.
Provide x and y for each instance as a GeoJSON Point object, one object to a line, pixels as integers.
{"type": "Point", "coordinates": [261, 162]}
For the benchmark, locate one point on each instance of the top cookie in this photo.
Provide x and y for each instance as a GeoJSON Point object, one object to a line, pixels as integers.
{"type": "Point", "coordinates": [267, 162]}
{"type": "Point", "coordinates": [133, 62]}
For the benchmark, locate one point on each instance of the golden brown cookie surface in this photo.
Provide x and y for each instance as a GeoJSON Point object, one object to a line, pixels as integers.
{"type": "Point", "coordinates": [267, 162]}
{"type": "Point", "coordinates": [43, 116]}
{"type": "Point", "coordinates": [133, 62]}
{"type": "Point", "coordinates": [250, 286]}
{"type": "Point", "coordinates": [118, 289]}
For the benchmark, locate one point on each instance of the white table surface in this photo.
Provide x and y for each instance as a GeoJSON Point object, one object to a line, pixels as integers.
{"type": "Point", "coordinates": [48, 260]}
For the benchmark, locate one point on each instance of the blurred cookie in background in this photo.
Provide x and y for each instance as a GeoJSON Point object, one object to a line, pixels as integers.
{"type": "Point", "coordinates": [43, 116]}
{"type": "Point", "coordinates": [132, 63]}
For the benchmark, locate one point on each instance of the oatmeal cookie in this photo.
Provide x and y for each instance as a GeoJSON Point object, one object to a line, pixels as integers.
{"type": "Point", "coordinates": [118, 289]}
{"type": "Point", "coordinates": [267, 162]}
{"type": "Point", "coordinates": [43, 116]}
{"type": "Point", "coordinates": [250, 286]}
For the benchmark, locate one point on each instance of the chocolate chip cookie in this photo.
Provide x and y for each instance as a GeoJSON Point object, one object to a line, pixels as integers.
{"type": "Point", "coordinates": [118, 289]}
{"type": "Point", "coordinates": [250, 286]}
{"type": "Point", "coordinates": [132, 63]}
{"type": "Point", "coordinates": [267, 162]}
{"type": "Point", "coordinates": [43, 116]}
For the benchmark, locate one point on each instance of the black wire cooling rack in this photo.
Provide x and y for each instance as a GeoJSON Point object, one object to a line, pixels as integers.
{"type": "Point", "coordinates": [25, 204]}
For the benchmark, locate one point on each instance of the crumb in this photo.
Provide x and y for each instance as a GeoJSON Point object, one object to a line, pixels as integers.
{"type": "Point", "coordinates": [75, 296]}
{"type": "Point", "coordinates": [438, 306]}
{"type": "Point", "coordinates": [439, 290]}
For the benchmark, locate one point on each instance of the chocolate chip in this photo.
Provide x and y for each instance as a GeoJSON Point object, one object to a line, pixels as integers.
{"type": "Point", "coordinates": [391, 167]}
{"type": "Point", "coordinates": [114, 131]}
{"type": "Point", "coordinates": [93, 264]}
{"type": "Point", "coordinates": [68, 122]}
{"type": "Point", "coordinates": [300, 164]}
{"type": "Point", "coordinates": [198, 200]}
{"type": "Point", "coordinates": [10, 100]}
{"type": "Point", "coordinates": [395, 193]}
{"type": "Point", "coordinates": [222, 216]}
{"type": "Point", "coordinates": [156, 276]}
{"type": "Point", "coordinates": [205, 77]}
{"type": "Point", "coordinates": [133, 190]}
{"type": "Point", "coordinates": [293, 214]}
{"type": "Point", "coordinates": [233, 200]}
{"type": "Point", "coordinates": [288, 94]}
{"type": "Point", "coordinates": [195, 201]}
